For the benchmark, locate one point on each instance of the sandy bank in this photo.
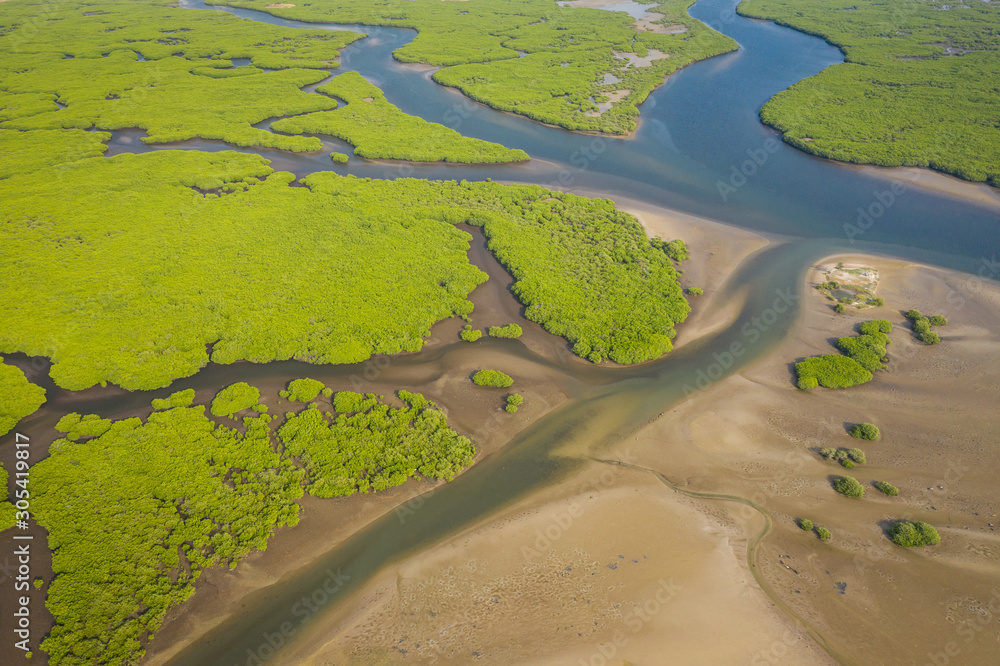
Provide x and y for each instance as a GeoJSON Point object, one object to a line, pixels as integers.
{"type": "Point", "coordinates": [755, 435]}
{"type": "Point", "coordinates": [611, 565]}
{"type": "Point", "coordinates": [936, 181]}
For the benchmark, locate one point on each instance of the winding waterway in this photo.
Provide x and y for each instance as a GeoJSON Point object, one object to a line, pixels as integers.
{"type": "Point", "coordinates": [694, 132]}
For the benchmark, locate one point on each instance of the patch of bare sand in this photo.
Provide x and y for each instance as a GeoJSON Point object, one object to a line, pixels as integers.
{"type": "Point", "coordinates": [280, 5]}
{"type": "Point", "coordinates": [611, 566]}
{"type": "Point", "coordinates": [936, 182]}
{"type": "Point", "coordinates": [649, 23]}
{"type": "Point", "coordinates": [755, 435]}
{"type": "Point", "coordinates": [613, 98]}
{"type": "Point", "coordinates": [635, 60]}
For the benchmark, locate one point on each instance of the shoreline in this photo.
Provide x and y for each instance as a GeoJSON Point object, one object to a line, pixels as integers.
{"type": "Point", "coordinates": [219, 593]}
{"type": "Point", "coordinates": [752, 435]}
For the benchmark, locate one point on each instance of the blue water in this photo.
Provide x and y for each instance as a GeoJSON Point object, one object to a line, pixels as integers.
{"type": "Point", "coordinates": [696, 132]}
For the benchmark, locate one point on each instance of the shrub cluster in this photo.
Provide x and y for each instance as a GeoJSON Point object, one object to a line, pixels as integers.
{"type": "Point", "coordinates": [914, 535]}
{"type": "Point", "coordinates": [830, 371]}
{"type": "Point", "coordinates": [805, 524]}
{"type": "Point", "coordinates": [303, 390]}
{"type": "Point", "coordinates": [492, 378]}
{"type": "Point", "coordinates": [676, 249]}
{"type": "Point", "coordinates": [508, 331]}
{"type": "Point", "coordinates": [846, 457]}
{"type": "Point", "coordinates": [514, 401]}
{"type": "Point", "coordinates": [178, 399]}
{"type": "Point", "coordinates": [823, 533]}
{"type": "Point", "coordinates": [75, 426]}
{"type": "Point", "coordinates": [470, 334]}
{"type": "Point", "coordinates": [375, 446]}
{"type": "Point", "coordinates": [867, 431]}
{"type": "Point", "coordinates": [848, 486]}
{"type": "Point", "coordinates": [863, 354]}
{"type": "Point", "coordinates": [886, 488]}
{"type": "Point", "coordinates": [921, 326]}
{"type": "Point", "coordinates": [235, 398]}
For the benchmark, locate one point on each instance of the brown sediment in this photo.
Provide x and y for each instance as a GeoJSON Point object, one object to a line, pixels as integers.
{"type": "Point", "coordinates": [565, 569]}
{"type": "Point", "coordinates": [755, 435]}
{"type": "Point", "coordinates": [609, 561]}
{"type": "Point", "coordinates": [936, 181]}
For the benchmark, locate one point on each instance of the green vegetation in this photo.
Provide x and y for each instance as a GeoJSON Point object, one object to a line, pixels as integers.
{"type": "Point", "coordinates": [913, 535]}
{"type": "Point", "coordinates": [805, 524]}
{"type": "Point", "coordinates": [302, 390]}
{"type": "Point", "coordinates": [339, 158]}
{"type": "Point", "coordinates": [378, 130]}
{"type": "Point", "coordinates": [869, 350]}
{"type": "Point", "coordinates": [266, 271]}
{"type": "Point", "coordinates": [864, 354]}
{"type": "Point", "coordinates": [839, 308]}
{"type": "Point", "coordinates": [18, 396]}
{"type": "Point", "coordinates": [349, 401]}
{"type": "Point", "coordinates": [470, 334]}
{"type": "Point", "coordinates": [886, 488]}
{"type": "Point", "coordinates": [89, 60]}
{"type": "Point", "coordinates": [676, 249]}
{"type": "Point", "coordinates": [830, 371]}
{"type": "Point", "coordinates": [179, 399]}
{"type": "Point", "coordinates": [848, 486]}
{"type": "Point", "coordinates": [76, 426]}
{"type": "Point", "coordinates": [875, 326]}
{"type": "Point", "coordinates": [508, 331]}
{"type": "Point", "coordinates": [823, 533]}
{"type": "Point", "coordinates": [921, 326]}
{"type": "Point", "coordinates": [375, 446]}
{"type": "Point", "coordinates": [235, 398]}
{"type": "Point", "coordinates": [696, 291]}
{"type": "Point", "coordinates": [134, 516]}
{"type": "Point", "coordinates": [918, 86]}
{"type": "Point", "coordinates": [846, 457]}
{"type": "Point", "coordinates": [514, 400]}
{"type": "Point", "coordinates": [492, 378]}
{"type": "Point", "coordinates": [567, 51]}
{"type": "Point", "coordinates": [867, 431]}
{"type": "Point", "coordinates": [8, 512]}
{"type": "Point", "coordinates": [37, 149]}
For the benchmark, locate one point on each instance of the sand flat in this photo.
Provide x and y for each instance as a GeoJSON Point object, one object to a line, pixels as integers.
{"type": "Point", "coordinates": [755, 435]}
{"type": "Point", "coordinates": [592, 568]}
